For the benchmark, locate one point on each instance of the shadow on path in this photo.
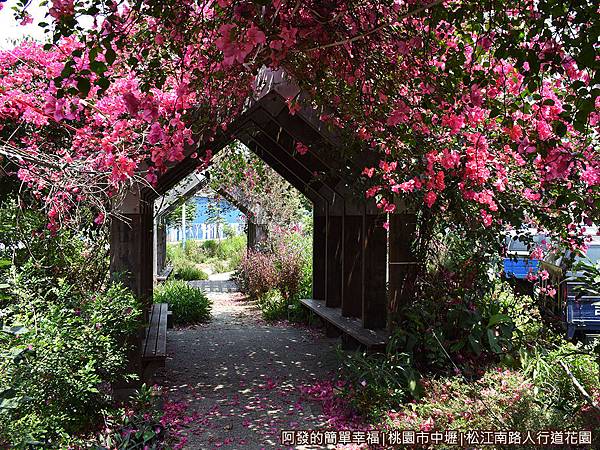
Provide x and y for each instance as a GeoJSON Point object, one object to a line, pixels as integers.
{"type": "Point", "coordinates": [240, 377]}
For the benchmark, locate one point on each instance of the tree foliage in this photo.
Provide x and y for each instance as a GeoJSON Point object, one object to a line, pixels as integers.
{"type": "Point", "coordinates": [265, 196]}
{"type": "Point", "coordinates": [480, 114]}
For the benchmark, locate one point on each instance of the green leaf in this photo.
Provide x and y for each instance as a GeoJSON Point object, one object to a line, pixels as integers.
{"type": "Point", "coordinates": [84, 86]}
{"type": "Point", "coordinates": [110, 56]}
{"type": "Point", "coordinates": [68, 70]}
{"type": "Point", "coordinates": [475, 345]}
{"type": "Point", "coordinates": [10, 403]}
{"type": "Point", "coordinates": [561, 129]}
{"type": "Point", "coordinates": [93, 53]}
{"type": "Point", "coordinates": [498, 318]}
{"type": "Point", "coordinates": [493, 341]}
{"type": "Point", "coordinates": [148, 435]}
{"type": "Point", "coordinates": [587, 56]}
{"type": "Point", "coordinates": [103, 82]}
{"type": "Point", "coordinates": [98, 67]}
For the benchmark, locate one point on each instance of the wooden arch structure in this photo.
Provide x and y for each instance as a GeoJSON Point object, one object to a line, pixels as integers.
{"type": "Point", "coordinates": [257, 222]}
{"type": "Point", "coordinates": [357, 269]}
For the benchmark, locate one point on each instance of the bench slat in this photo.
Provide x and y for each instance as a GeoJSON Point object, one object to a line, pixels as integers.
{"type": "Point", "coordinates": [155, 343]}
{"type": "Point", "coordinates": [150, 334]}
{"type": "Point", "coordinates": [373, 339]}
{"type": "Point", "coordinates": [161, 342]}
{"type": "Point", "coordinates": [164, 276]}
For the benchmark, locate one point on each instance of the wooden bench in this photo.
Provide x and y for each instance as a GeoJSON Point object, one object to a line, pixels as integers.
{"type": "Point", "coordinates": [165, 274]}
{"type": "Point", "coordinates": [349, 327]}
{"type": "Point", "coordinates": [154, 346]}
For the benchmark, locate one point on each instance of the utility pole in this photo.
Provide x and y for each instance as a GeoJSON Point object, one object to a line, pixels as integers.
{"type": "Point", "coordinates": [183, 225]}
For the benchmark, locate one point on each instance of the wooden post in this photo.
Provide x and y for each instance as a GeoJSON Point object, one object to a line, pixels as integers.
{"type": "Point", "coordinates": [335, 252]}
{"type": "Point", "coordinates": [257, 233]}
{"type": "Point", "coordinates": [160, 238]}
{"type": "Point", "coordinates": [131, 252]}
{"type": "Point", "coordinates": [131, 247]}
{"type": "Point", "coordinates": [374, 262]}
{"type": "Point", "coordinates": [320, 251]}
{"type": "Point", "coordinates": [353, 249]}
{"type": "Point", "coordinates": [403, 265]}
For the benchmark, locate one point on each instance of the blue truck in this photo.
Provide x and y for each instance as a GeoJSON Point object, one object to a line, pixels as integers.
{"type": "Point", "coordinates": [517, 263]}
{"type": "Point", "coordinates": [583, 305]}
{"type": "Point", "coordinates": [580, 307]}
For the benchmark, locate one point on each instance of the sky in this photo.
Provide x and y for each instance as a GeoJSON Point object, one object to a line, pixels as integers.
{"type": "Point", "coordinates": [11, 31]}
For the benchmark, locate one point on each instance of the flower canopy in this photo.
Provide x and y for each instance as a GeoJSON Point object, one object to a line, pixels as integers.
{"type": "Point", "coordinates": [482, 114]}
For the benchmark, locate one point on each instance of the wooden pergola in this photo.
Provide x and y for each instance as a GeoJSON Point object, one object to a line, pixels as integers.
{"type": "Point", "coordinates": [359, 268]}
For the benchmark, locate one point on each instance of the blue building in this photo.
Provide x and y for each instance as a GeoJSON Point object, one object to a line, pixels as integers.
{"type": "Point", "coordinates": [202, 228]}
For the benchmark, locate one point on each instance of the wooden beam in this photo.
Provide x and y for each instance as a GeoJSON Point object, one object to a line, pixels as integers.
{"type": "Point", "coordinates": [302, 184]}
{"type": "Point", "coordinates": [335, 255]}
{"type": "Point", "coordinates": [352, 267]}
{"type": "Point", "coordinates": [403, 265]}
{"type": "Point", "coordinates": [374, 309]}
{"type": "Point", "coordinates": [320, 251]}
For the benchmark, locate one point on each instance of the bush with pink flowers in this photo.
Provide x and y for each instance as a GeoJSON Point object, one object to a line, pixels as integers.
{"type": "Point", "coordinates": [278, 276]}
{"type": "Point", "coordinates": [502, 399]}
{"type": "Point", "coordinates": [256, 274]}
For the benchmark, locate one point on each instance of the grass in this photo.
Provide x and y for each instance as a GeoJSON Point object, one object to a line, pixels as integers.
{"type": "Point", "coordinates": [220, 256]}
{"type": "Point", "coordinates": [188, 304]}
{"type": "Point", "coordinates": [188, 271]}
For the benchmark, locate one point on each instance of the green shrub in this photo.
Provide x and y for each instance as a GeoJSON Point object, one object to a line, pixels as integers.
{"type": "Point", "coordinates": [175, 252]}
{"type": "Point", "coordinates": [58, 355]}
{"type": "Point", "coordinates": [234, 262]}
{"type": "Point", "coordinates": [210, 247]}
{"type": "Point", "coordinates": [545, 366]}
{"type": "Point", "coordinates": [219, 266]}
{"type": "Point", "coordinates": [137, 425]}
{"type": "Point", "coordinates": [188, 271]}
{"type": "Point", "coordinates": [379, 382]}
{"type": "Point", "coordinates": [193, 252]}
{"type": "Point", "coordinates": [273, 306]}
{"type": "Point", "coordinates": [232, 247]}
{"type": "Point", "coordinates": [501, 399]}
{"type": "Point", "coordinates": [188, 304]}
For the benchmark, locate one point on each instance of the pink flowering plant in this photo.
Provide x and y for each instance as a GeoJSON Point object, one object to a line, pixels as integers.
{"type": "Point", "coordinates": [476, 115]}
{"type": "Point", "coordinates": [279, 275]}
{"type": "Point", "coordinates": [501, 399]}
{"type": "Point", "coordinates": [484, 111]}
{"type": "Point", "coordinates": [138, 424]}
{"type": "Point", "coordinates": [257, 274]}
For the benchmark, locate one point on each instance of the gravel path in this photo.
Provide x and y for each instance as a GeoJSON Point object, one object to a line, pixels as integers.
{"type": "Point", "coordinates": [240, 377]}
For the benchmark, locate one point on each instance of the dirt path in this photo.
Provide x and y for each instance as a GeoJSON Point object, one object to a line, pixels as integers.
{"type": "Point", "coordinates": [240, 378]}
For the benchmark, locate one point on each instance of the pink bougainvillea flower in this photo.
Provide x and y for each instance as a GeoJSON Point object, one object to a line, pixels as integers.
{"type": "Point", "coordinates": [99, 219]}
{"type": "Point", "coordinates": [368, 171]}
{"type": "Point", "coordinates": [301, 148]}
{"type": "Point", "coordinates": [430, 198]}
{"type": "Point", "coordinates": [27, 19]}
{"type": "Point", "coordinates": [156, 133]}
{"type": "Point", "coordinates": [255, 35]}
{"type": "Point", "coordinates": [61, 8]}
{"type": "Point", "coordinates": [486, 218]}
